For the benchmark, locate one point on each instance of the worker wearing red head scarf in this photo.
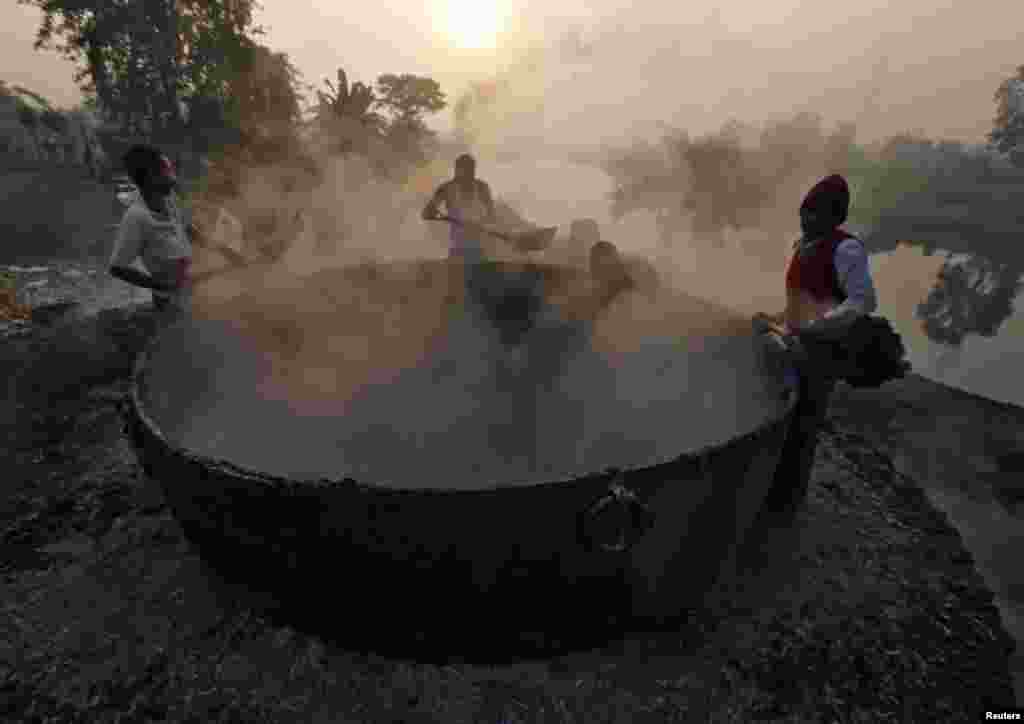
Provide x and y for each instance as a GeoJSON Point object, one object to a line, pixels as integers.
{"type": "Point", "coordinates": [828, 284]}
{"type": "Point", "coordinates": [828, 288]}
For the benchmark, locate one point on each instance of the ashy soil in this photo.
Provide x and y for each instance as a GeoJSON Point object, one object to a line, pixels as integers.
{"type": "Point", "coordinates": [866, 608]}
{"type": "Point", "coordinates": [55, 212]}
{"type": "Point", "coordinates": [968, 453]}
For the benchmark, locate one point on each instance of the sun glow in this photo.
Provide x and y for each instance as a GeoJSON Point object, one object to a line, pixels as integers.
{"type": "Point", "coordinates": [473, 24]}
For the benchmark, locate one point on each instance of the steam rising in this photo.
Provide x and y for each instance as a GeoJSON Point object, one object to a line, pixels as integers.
{"type": "Point", "coordinates": [372, 373]}
{"type": "Point", "coordinates": [356, 354]}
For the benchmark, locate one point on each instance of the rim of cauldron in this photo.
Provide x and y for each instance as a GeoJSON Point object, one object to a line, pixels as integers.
{"type": "Point", "coordinates": [152, 428]}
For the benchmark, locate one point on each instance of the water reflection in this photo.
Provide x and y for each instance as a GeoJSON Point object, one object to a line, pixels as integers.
{"type": "Point", "coordinates": [945, 342]}
{"type": "Point", "coordinates": [971, 226]}
{"type": "Point", "coordinates": [972, 295]}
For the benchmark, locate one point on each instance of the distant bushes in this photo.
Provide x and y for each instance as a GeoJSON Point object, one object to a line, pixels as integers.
{"type": "Point", "coordinates": [742, 176]}
{"type": "Point", "coordinates": [748, 177]}
{"type": "Point", "coordinates": [884, 176]}
{"type": "Point", "coordinates": [879, 182]}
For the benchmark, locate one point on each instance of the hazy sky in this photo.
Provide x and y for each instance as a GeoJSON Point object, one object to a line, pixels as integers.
{"type": "Point", "coordinates": [919, 65]}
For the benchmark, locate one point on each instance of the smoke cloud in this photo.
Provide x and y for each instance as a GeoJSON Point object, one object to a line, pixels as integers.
{"type": "Point", "coordinates": [360, 347]}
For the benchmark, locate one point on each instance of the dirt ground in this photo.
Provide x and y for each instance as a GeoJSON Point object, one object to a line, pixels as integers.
{"type": "Point", "coordinates": [54, 213]}
{"type": "Point", "coordinates": [866, 609]}
{"type": "Point", "coordinates": [968, 452]}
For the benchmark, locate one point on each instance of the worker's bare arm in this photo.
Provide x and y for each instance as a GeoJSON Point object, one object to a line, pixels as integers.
{"type": "Point", "coordinates": [770, 322]}
{"type": "Point", "coordinates": [433, 208]}
{"type": "Point", "coordinates": [488, 201]}
{"type": "Point", "coordinates": [140, 279]}
{"type": "Point", "coordinates": [197, 237]}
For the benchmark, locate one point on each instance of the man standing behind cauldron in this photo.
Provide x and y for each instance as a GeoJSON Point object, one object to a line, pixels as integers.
{"type": "Point", "coordinates": [466, 199]}
{"type": "Point", "coordinates": [154, 230]}
{"type": "Point", "coordinates": [828, 288]}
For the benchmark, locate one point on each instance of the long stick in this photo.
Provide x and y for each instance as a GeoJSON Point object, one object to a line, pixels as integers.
{"type": "Point", "coordinates": [237, 260]}
{"type": "Point", "coordinates": [480, 227]}
{"type": "Point", "coordinates": [540, 237]}
{"type": "Point", "coordinates": [214, 273]}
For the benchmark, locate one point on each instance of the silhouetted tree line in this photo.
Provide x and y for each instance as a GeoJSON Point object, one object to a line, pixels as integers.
{"type": "Point", "coordinates": [1008, 128]}
{"type": "Point", "coordinates": [732, 179]}
{"type": "Point", "coordinates": [195, 70]}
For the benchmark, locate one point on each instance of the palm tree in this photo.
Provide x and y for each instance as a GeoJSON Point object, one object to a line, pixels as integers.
{"type": "Point", "coordinates": [345, 114]}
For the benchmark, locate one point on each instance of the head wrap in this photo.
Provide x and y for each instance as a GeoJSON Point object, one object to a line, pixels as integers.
{"type": "Point", "coordinates": [141, 162]}
{"type": "Point", "coordinates": [829, 196]}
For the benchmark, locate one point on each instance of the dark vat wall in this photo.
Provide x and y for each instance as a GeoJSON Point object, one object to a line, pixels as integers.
{"type": "Point", "coordinates": [705, 518]}
{"type": "Point", "coordinates": [443, 554]}
{"type": "Point", "coordinates": [460, 554]}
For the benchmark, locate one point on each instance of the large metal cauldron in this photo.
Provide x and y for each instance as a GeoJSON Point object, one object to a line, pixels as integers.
{"type": "Point", "coordinates": [561, 535]}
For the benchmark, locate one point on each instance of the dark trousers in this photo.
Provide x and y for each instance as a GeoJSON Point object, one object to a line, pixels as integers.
{"type": "Point", "coordinates": [793, 473]}
{"type": "Point", "coordinates": [165, 312]}
{"type": "Point", "coordinates": [510, 300]}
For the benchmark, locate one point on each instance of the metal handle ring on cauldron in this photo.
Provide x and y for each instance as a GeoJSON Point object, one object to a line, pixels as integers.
{"type": "Point", "coordinates": [131, 425]}
{"type": "Point", "coordinates": [782, 357]}
{"type": "Point", "coordinates": [637, 516]}
{"type": "Point", "coordinates": [129, 422]}
{"type": "Point", "coordinates": [124, 409]}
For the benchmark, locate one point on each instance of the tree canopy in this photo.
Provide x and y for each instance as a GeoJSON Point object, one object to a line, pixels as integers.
{"type": "Point", "coordinates": [1008, 131]}
{"type": "Point", "coordinates": [344, 113]}
{"type": "Point", "coordinates": [972, 296]}
{"type": "Point", "coordinates": [730, 179]}
{"type": "Point", "coordinates": [143, 58]}
{"type": "Point", "coordinates": [407, 98]}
